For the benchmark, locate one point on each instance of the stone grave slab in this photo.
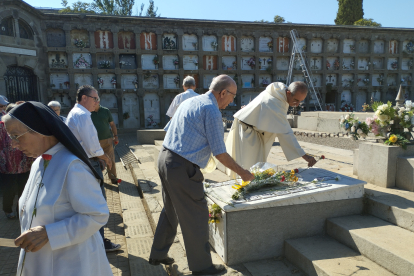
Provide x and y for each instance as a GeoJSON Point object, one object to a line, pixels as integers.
{"type": "Point", "coordinates": [169, 42]}
{"type": "Point", "coordinates": [298, 77]}
{"type": "Point", "coordinates": [247, 81]}
{"type": "Point", "coordinates": [265, 63]}
{"type": "Point", "coordinates": [170, 81]}
{"type": "Point", "coordinates": [332, 45]}
{"type": "Point", "coordinates": [393, 47]}
{"type": "Point", "coordinates": [316, 45]}
{"type": "Point", "coordinates": [245, 61]}
{"type": "Point", "coordinates": [246, 98]}
{"type": "Point", "coordinates": [283, 44]}
{"type": "Point", "coordinates": [56, 38]}
{"type": "Point", "coordinates": [363, 46]}
{"type": "Point", "coordinates": [104, 40]}
{"type": "Point", "coordinates": [210, 43]}
{"type": "Point", "coordinates": [129, 81]}
{"type": "Point", "coordinates": [228, 43]}
{"type": "Point", "coordinates": [265, 44]}
{"type": "Point", "coordinates": [378, 62]}
{"type": "Point", "coordinates": [152, 110]}
{"type": "Point", "coordinates": [317, 80]}
{"type": "Point", "coordinates": [190, 62]}
{"type": "Point", "coordinates": [82, 60]}
{"type": "Point", "coordinates": [83, 79]}
{"type": "Point", "coordinates": [190, 42]}
{"type": "Point", "coordinates": [59, 81]}
{"type": "Point", "coordinates": [265, 80]}
{"type": "Point", "coordinates": [361, 99]}
{"type": "Point", "coordinates": [347, 80]}
{"type": "Point", "coordinates": [287, 212]}
{"type": "Point", "coordinates": [407, 64]}
{"type": "Point", "coordinates": [79, 38]}
{"type": "Point", "coordinates": [331, 78]}
{"type": "Point", "coordinates": [116, 120]}
{"type": "Point", "coordinates": [282, 63]}
{"type": "Point", "coordinates": [392, 64]}
{"type": "Point", "coordinates": [346, 96]}
{"type": "Point", "coordinates": [126, 40]}
{"type": "Point", "coordinates": [348, 46]}
{"type": "Point", "coordinates": [210, 62]}
{"type": "Point", "coordinates": [127, 61]}
{"type": "Point", "coordinates": [363, 63]}
{"type": "Point", "coordinates": [63, 99]}
{"type": "Point", "coordinates": [147, 62]}
{"type": "Point", "coordinates": [207, 79]}
{"type": "Point", "coordinates": [108, 100]}
{"type": "Point", "coordinates": [247, 43]}
{"type": "Point", "coordinates": [105, 81]}
{"type": "Point", "coordinates": [150, 81]}
{"type": "Point", "coordinates": [57, 60]}
{"type": "Point", "coordinates": [379, 46]}
{"type": "Point", "coordinates": [130, 110]}
{"type": "Point", "coordinates": [228, 63]}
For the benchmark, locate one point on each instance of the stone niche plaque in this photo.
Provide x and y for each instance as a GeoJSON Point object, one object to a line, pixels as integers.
{"type": "Point", "coordinates": [190, 62]}
{"type": "Point", "coordinates": [129, 81]}
{"type": "Point", "coordinates": [346, 96]}
{"type": "Point", "coordinates": [332, 45]}
{"type": "Point", "coordinates": [105, 60]}
{"type": "Point", "coordinates": [106, 81]}
{"type": "Point", "coordinates": [228, 114]}
{"type": "Point", "coordinates": [407, 46]}
{"type": "Point", "coordinates": [207, 79]}
{"type": "Point", "coordinates": [82, 60]}
{"type": "Point", "coordinates": [316, 63]}
{"type": "Point", "coordinates": [298, 77]}
{"type": "Point", "coordinates": [390, 95]}
{"type": "Point", "coordinates": [210, 62]}
{"type": "Point", "coordinates": [83, 79]}
{"type": "Point", "coordinates": [152, 110]}
{"type": "Point", "coordinates": [147, 62]}
{"type": "Point", "coordinates": [126, 40]}
{"type": "Point", "coordinates": [104, 40]}
{"type": "Point", "coordinates": [170, 62]}
{"type": "Point", "coordinates": [361, 99]}
{"type": "Point", "coordinates": [228, 63]}
{"type": "Point", "coordinates": [130, 110]}
{"type": "Point", "coordinates": [348, 46]}
{"type": "Point", "coordinates": [115, 118]}
{"type": "Point", "coordinates": [150, 81]}
{"type": "Point", "coordinates": [317, 80]}
{"type": "Point", "coordinates": [265, 44]}
{"type": "Point", "coordinates": [170, 81]}
{"type": "Point", "coordinates": [407, 63]}
{"type": "Point", "coordinates": [148, 41]}
{"type": "Point", "coordinates": [363, 46]}
{"type": "Point", "coordinates": [316, 45]}
{"type": "Point", "coordinates": [241, 218]}
{"type": "Point", "coordinates": [302, 44]}
{"type": "Point", "coordinates": [108, 100]}
{"type": "Point", "coordinates": [245, 60]}
{"type": "Point", "coordinates": [247, 80]}
{"type": "Point", "coordinates": [347, 80]}
{"type": "Point", "coordinates": [228, 43]}
{"type": "Point", "coordinates": [80, 38]}
{"type": "Point", "coordinates": [265, 63]}
{"type": "Point", "coordinates": [57, 60]}
{"type": "Point", "coordinates": [59, 81]}
{"type": "Point", "coordinates": [55, 38]}
{"type": "Point", "coordinates": [376, 96]}
{"type": "Point", "coordinates": [332, 63]}
{"type": "Point", "coordinates": [392, 64]}
{"type": "Point", "coordinates": [190, 42]}
{"type": "Point", "coordinates": [393, 47]}
{"type": "Point", "coordinates": [210, 43]}
{"type": "Point", "coordinates": [376, 79]}
{"type": "Point", "coordinates": [331, 78]}
{"type": "Point", "coordinates": [169, 42]}
{"type": "Point", "coordinates": [378, 63]}
{"type": "Point", "coordinates": [265, 80]}
{"type": "Point", "coordinates": [282, 44]}
{"type": "Point", "coordinates": [361, 78]}
{"type": "Point", "coordinates": [379, 46]}
{"type": "Point", "coordinates": [406, 79]}
{"type": "Point", "coordinates": [63, 99]}
{"type": "Point", "coordinates": [247, 44]}
{"type": "Point", "coordinates": [363, 63]}
{"type": "Point", "coordinates": [128, 61]}
{"type": "Point", "coordinates": [246, 98]}
{"type": "Point", "coordinates": [282, 78]}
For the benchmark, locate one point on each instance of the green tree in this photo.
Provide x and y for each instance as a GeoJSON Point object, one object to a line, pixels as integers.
{"type": "Point", "coordinates": [367, 22]}
{"type": "Point", "coordinates": [279, 19]}
{"type": "Point", "coordinates": [349, 11]}
{"type": "Point", "coordinates": [152, 11]}
{"type": "Point", "coordinates": [77, 7]}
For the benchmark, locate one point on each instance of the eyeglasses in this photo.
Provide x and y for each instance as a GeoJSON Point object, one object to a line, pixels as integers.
{"type": "Point", "coordinates": [16, 137]}
{"type": "Point", "coordinates": [232, 94]}
{"type": "Point", "coordinates": [96, 99]}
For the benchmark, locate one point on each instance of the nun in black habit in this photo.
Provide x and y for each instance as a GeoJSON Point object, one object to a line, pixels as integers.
{"type": "Point", "coordinates": [62, 206]}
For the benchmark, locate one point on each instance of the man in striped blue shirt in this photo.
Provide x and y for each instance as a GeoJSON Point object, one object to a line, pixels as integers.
{"type": "Point", "coordinates": [194, 133]}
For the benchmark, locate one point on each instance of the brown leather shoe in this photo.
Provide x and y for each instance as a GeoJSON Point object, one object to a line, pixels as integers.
{"type": "Point", "coordinates": [166, 261]}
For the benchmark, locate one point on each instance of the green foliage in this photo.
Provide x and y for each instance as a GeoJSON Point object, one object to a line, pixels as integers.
{"type": "Point", "coordinates": [115, 7]}
{"type": "Point", "coordinates": [152, 11]}
{"type": "Point", "coordinates": [349, 11]}
{"type": "Point", "coordinates": [375, 105]}
{"type": "Point", "coordinates": [279, 19]}
{"type": "Point", "coordinates": [400, 141]}
{"type": "Point", "coordinates": [367, 22]}
{"type": "Point", "coordinates": [78, 7]}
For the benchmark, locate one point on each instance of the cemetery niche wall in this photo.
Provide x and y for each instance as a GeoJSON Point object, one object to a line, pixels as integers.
{"type": "Point", "coordinates": [141, 56]}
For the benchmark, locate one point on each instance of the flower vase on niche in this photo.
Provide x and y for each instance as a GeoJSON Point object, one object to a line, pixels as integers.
{"type": "Point", "coordinates": [135, 83]}
{"type": "Point", "coordinates": [100, 82]}
{"type": "Point", "coordinates": [60, 86]}
{"type": "Point", "coordinates": [196, 65]}
{"type": "Point", "coordinates": [66, 84]}
{"type": "Point", "coordinates": [113, 82]}
{"type": "Point", "coordinates": [175, 61]}
{"type": "Point", "coordinates": [177, 81]}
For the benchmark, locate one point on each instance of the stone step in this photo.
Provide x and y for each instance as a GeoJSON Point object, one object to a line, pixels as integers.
{"type": "Point", "coordinates": [278, 266]}
{"type": "Point", "coordinates": [322, 255]}
{"type": "Point", "coordinates": [392, 205]}
{"type": "Point", "coordinates": [384, 243]}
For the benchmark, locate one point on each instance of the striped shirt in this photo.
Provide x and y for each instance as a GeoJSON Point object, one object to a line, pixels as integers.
{"type": "Point", "coordinates": [196, 130]}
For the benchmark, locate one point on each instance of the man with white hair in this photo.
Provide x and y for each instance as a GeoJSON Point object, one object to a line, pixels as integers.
{"type": "Point", "coordinates": [55, 105]}
{"type": "Point", "coordinates": [188, 85]}
{"type": "Point", "coordinates": [256, 126]}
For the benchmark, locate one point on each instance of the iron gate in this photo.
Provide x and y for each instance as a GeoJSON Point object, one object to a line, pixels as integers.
{"type": "Point", "coordinates": [21, 84]}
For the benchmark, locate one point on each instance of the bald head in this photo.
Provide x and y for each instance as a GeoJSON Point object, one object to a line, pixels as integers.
{"type": "Point", "coordinates": [221, 82]}
{"type": "Point", "coordinates": [298, 87]}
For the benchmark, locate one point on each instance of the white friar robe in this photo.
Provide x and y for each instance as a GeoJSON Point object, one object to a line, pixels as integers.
{"type": "Point", "coordinates": [72, 208]}
{"type": "Point", "coordinates": [267, 114]}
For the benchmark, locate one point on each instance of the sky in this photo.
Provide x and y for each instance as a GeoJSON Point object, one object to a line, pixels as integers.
{"type": "Point", "coordinates": [389, 13]}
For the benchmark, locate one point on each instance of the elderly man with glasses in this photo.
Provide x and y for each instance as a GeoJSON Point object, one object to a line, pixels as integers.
{"type": "Point", "coordinates": [80, 123]}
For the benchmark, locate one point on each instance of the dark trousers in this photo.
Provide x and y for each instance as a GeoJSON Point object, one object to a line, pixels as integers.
{"type": "Point", "coordinates": [184, 203]}
{"type": "Point", "coordinates": [13, 185]}
{"type": "Point", "coordinates": [97, 167]}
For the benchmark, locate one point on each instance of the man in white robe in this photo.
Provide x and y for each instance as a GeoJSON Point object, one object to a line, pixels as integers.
{"type": "Point", "coordinates": [256, 126]}
{"type": "Point", "coordinates": [188, 85]}
{"type": "Point", "coordinates": [62, 206]}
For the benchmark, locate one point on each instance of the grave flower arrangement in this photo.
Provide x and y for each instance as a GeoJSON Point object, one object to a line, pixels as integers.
{"type": "Point", "coordinates": [394, 65]}
{"type": "Point", "coordinates": [151, 122]}
{"type": "Point", "coordinates": [366, 81]}
{"type": "Point", "coordinates": [177, 80]}
{"type": "Point", "coordinates": [265, 82]}
{"type": "Point", "coordinates": [409, 48]}
{"type": "Point", "coordinates": [79, 43]}
{"type": "Point", "coordinates": [264, 178]}
{"type": "Point", "coordinates": [156, 60]}
{"type": "Point", "coordinates": [105, 64]}
{"type": "Point", "coordinates": [410, 64]}
{"type": "Point", "coordinates": [176, 62]}
{"type": "Point", "coordinates": [147, 75]}
{"type": "Point", "coordinates": [380, 79]}
{"type": "Point", "coordinates": [66, 83]}
{"type": "Point", "coordinates": [353, 126]}
{"type": "Point", "coordinates": [352, 48]}
{"type": "Point", "coordinates": [346, 106]}
{"type": "Point", "coordinates": [214, 213]}
{"type": "Point", "coordinates": [270, 45]}
{"type": "Point", "coordinates": [81, 62]}
{"type": "Point", "coordinates": [234, 64]}
{"type": "Point", "coordinates": [135, 83]}
{"type": "Point", "coordinates": [113, 82]}
{"type": "Point", "coordinates": [214, 45]}
{"type": "Point", "coordinates": [251, 62]}
{"type": "Point", "coordinates": [336, 64]}
{"type": "Point", "coordinates": [100, 82]}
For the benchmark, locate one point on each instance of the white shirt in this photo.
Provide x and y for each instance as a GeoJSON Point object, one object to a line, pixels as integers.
{"type": "Point", "coordinates": [80, 123]}
{"type": "Point", "coordinates": [179, 99]}
{"type": "Point", "coordinates": [72, 208]}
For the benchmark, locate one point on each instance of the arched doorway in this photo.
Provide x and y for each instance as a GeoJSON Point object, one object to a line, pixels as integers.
{"type": "Point", "coordinates": [21, 84]}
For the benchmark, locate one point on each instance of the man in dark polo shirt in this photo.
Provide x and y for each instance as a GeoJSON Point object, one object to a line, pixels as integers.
{"type": "Point", "coordinates": [102, 119]}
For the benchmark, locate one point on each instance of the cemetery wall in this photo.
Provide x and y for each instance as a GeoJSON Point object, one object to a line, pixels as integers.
{"type": "Point", "coordinates": [139, 63]}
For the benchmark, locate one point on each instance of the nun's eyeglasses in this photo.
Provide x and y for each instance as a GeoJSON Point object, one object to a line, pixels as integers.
{"type": "Point", "coordinates": [16, 137]}
{"type": "Point", "coordinates": [97, 100]}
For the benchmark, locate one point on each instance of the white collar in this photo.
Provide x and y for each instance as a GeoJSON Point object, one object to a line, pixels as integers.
{"type": "Point", "coordinates": [54, 149]}
{"type": "Point", "coordinates": [81, 107]}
